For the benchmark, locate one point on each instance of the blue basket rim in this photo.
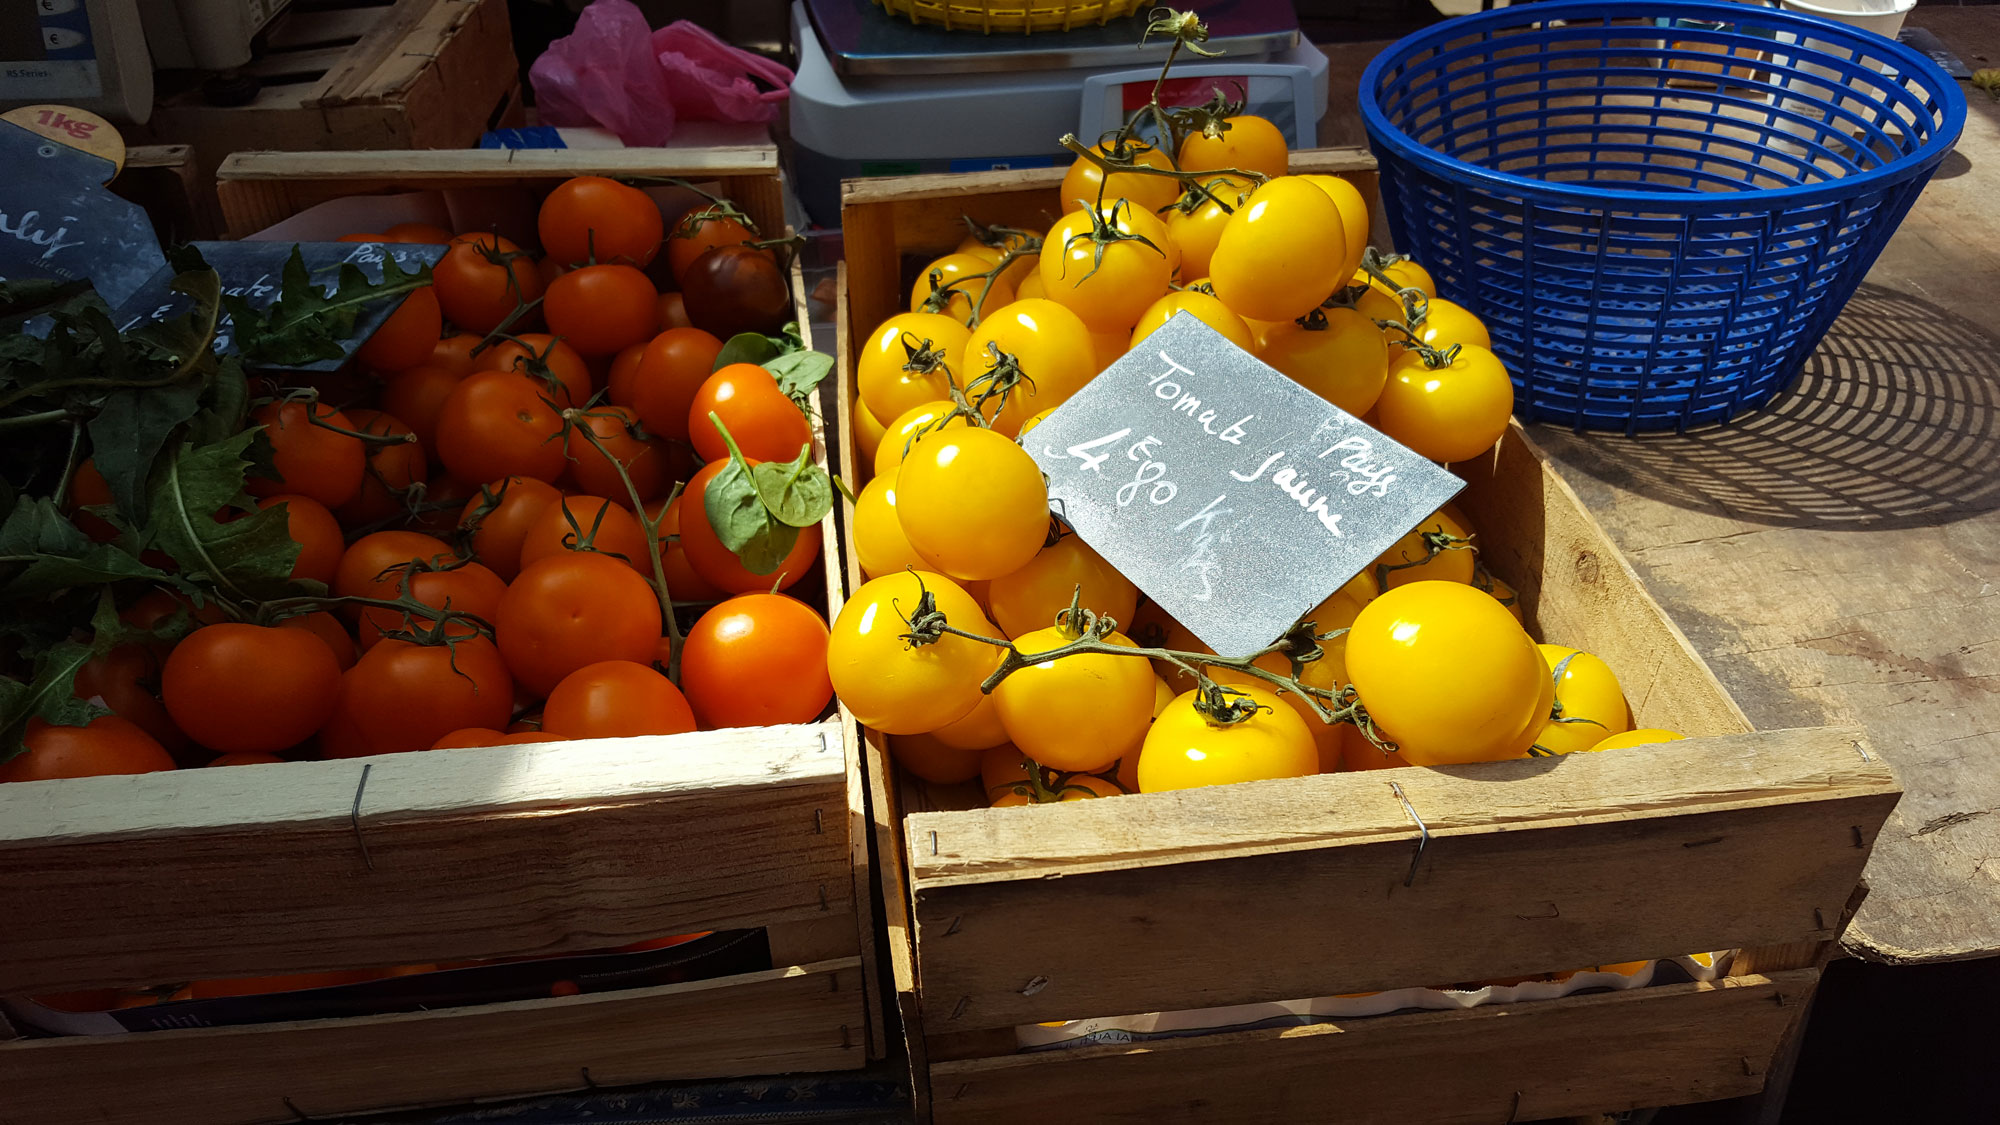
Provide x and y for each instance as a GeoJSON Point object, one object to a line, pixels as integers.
{"type": "Point", "coordinates": [1912, 64]}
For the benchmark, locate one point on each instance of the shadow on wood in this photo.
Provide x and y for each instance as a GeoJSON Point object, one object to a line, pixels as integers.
{"type": "Point", "coordinates": [1895, 422]}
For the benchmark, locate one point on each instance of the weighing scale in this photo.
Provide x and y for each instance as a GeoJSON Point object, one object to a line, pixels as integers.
{"type": "Point", "coordinates": [879, 96]}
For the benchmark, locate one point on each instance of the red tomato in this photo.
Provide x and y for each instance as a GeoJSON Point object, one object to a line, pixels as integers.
{"type": "Point", "coordinates": [594, 219]}
{"type": "Point", "coordinates": [482, 279]}
{"type": "Point", "coordinates": [682, 581]}
{"type": "Point", "coordinates": [497, 424]}
{"type": "Point", "coordinates": [408, 337]}
{"type": "Point", "coordinates": [400, 696]}
{"type": "Point", "coordinates": [767, 426]}
{"type": "Point", "coordinates": [609, 527]}
{"type": "Point", "coordinates": [616, 699]}
{"type": "Point", "coordinates": [371, 566]}
{"type": "Point", "coordinates": [419, 233]}
{"type": "Point", "coordinates": [480, 736]}
{"type": "Point", "coordinates": [316, 532]}
{"type": "Point", "coordinates": [621, 441]}
{"type": "Point", "coordinates": [417, 397]}
{"type": "Point", "coordinates": [621, 377]}
{"type": "Point", "coordinates": [735, 289]}
{"type": "Point", "coordinates": [248, 758]}
{"type": "Point", "coordinates": [673, 312]}
{"type": "Point", "coordinates": [600, 309]}
{"type": "Point", "coordinates": [550, 362]}
{"type": "Point", "coordinates": [499, 519]}
{"type": "Point", "coordinates": [467, 588]}
{"type": "Point", "coordinates": [327, 628]}
{"type": "Point", "coordinates": [250, 687]}
{"type": "Point", "coordinates": [392, 469]}
{"type": "Point", "coordinates": [671, 369]}
{"type": "Point", "coordinates": [311, 459]}
{"type": "Point", "coordinates": [573, 609]}
{"type": "Point", "coordinates": [757, 660]}
{"type": "Point", "coordinates": [107, 745]}
{"type": "Point", "coordinates": [700, 231]}
{"type": "Point", "coordinates": [89, 489]}
{"type": "Point", "coordinates": [718, 565]}
{"type": "Point", "coordinates": [125, 680]}
{"type": "Point", "coordinates": [454, 353]}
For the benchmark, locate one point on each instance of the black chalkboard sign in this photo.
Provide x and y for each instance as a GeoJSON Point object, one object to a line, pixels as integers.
{"type": "Point", "coordinates": [252, 270]}
{"type": "Point", "coordinates": [1235, 498]}
{"type": "Point", "coordinates": [58, 221]}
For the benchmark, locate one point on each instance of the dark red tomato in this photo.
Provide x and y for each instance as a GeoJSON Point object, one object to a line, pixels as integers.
{"type": "Point", "coordinates": [408, 337]}
{"type": "Point", "coordinates": [401, 696]}
{"type": "Point", "coordinates": [250, 687]}
{"type": "Point", "coordinates": [549, 361]}
{"type": "Point", "coordinates": [317, 533]}
{"type": "Point", "coordinates": [673, 312]}
{"type": "Point", "coordinates": [756, 660]}
{"type": "Point", "coordinates": [734, 289]}
{"type": "Point", "coordinates": [767, 426]}
{"type": "Point", "coordinates": [672, 368]}
{"type": "Point", "coordinates": [717, 564]}
{"type": "Point", "coordinates": [616, 699]}
{"type": "Point", "coordinates": [107, 745]}
{"type": "Point", "coordinates": [392, 469]}
{"type": "Point", "coordinates": [127, 680]}
{"type": "Point", "coordinates": [594, 219]}
{"type": "Point", "coordinates": [700, 231]}
{"type": "Point", "coordinates": [444, 496]}
{"type": "Point", "coordinates": [601, 309]}
{"type": "Point", "coordinates": [89, 489]}
{"type": "Point", "coordinates": [621, 441]}
{"type": "Point", "coordinates": [311, 459]}
{"type": "Point", "coordinates": [417, 397]}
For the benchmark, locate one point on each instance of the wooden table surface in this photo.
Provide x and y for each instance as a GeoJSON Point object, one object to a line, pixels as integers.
{"type": "Point", "coordinates": [1836, 557]}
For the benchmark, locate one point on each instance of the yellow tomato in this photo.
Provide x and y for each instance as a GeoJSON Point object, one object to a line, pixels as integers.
{"type": "Point", "coordinates": [979, 730]}
{"type": "Point", "coordinates": [1030, 284]}
{"type": "Point", "coordinates": [952, 272]}
{"type": "Point", "coordinates": [1083, 787]}
{"type": "Point", "coordinates": [1445, 323]}
{"type": "Point", "coordinates": [879, 541]}
{"type": "Point", "coordinates": [1353, 216]}
{"type": "Point", "coordinates": [1341, 357]}
{"type": "Point", "coordinates": [1357, 753]}
{"type": "Point", "coordinates": [932, 760]}
{"type": "Point", "coordinates": [1447, 674]}
{"type": "Point", "coordinates": [1379, 303]}
{"type": "Point", "coordinates": [1184, 749]}
{"type": "Point", "coordinates": [1501, 591]}
{"type": "Point", "coordinates": [1203, 307]}
{"type": "Point", "coordinates": [1247, 142]}
{"type": "Point", "coordinates": [1003, 768]}
{"type": "Point", "coordinates": [1280, 253]}
{"type": "Point", "coordinates": [1052, 347]}
{"type": "Point", "coordinates": [1195, 223]}
{"type": "Point", "coordinates": [911, 359]}
{"type": "Point", "coordinates": [1587, 696]}
{"type": "Point", "coordinates": [897, 687]}
{"type": "Point", "coordinates": [1108, 290]}
{"type": "Point", "coordinates": [1080, 712]}
{"type": "Point", "coordinates": [868, 431]}
{"type": "Point", "coordinates": [1083, 184]}
{"type": "Point", "coordinates": [1645, 736]}
{"type": "Point", "coordinates": [1035, 421]}
{"type": "Point", "coordinates": [1407, 274]}
{"type": "Point", "coordinates": [1449, 413]}
{"type": "Point", "coordinates": [1029, 598]}
{"type": "Point", "coordinates": [1016, 270]}
{"type": "Point", "coordinates": [1127, 772]}
{"type": "Point", "coordinates": [972, 501]}
{"type": "Point", "coordinates": [1107, 347]}
{"type": "Point", "coordinates": [904, 429]}
{"type": "Point", "coordinates": [1409, 559]}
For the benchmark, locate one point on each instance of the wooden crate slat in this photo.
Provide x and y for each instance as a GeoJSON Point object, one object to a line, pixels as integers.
{"type": "Point", "coordinates": [792, 1019]}
{"type": "Point", "coordinates": [301, 27]}
{"type": "Point", "coordinates": [1532, 866]}
{"type": "Point", "coordinates": [1580, 1054]}
{"type": "Point", "coordinates": [545, 848]}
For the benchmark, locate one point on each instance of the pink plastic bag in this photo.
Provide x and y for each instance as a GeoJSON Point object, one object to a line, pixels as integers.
{"type": "Point", "coordinates": [710, 80]}
{"type": "Point", "coordinates": [615, 72]}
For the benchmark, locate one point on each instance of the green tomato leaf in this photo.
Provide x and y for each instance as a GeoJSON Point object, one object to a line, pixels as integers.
{"type": "Point", "coordinates": [248, 558]}
{"type": "Point", "coordinates": [51, 695]}
{"type": "Point", "coordinates": [306, 324]}
{"type": "Point", "coordinates": [798, 494]}
{"type": "Point", "coordinates": [746, 347]}
{"type": "Point", "coordinates": [128, 432]}
{"type": "Point", "coordinates": [228, 406]}
{"type": "Point", "coordinates": [799, 374]}
{"type": "Point", "coordinates": [744, 525]}
{"type": "Point", "coordinates": [57, 555]}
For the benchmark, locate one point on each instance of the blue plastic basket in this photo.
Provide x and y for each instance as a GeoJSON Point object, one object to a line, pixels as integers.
{"type": "Point", "coordinates": [1657, 207]}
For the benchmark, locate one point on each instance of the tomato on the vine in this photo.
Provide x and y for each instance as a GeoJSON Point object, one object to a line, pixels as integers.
{"type": "Point", "coordinates": [417, 397]}
{"type": "Point", "coordinates": [126, 680]}
{"type": "Point", "coordinates": [1453, 412]}
{"type": "Point", "coordinates": [1084, 185]}
{"type": "Point", "coordinates": [673, 311]}
{"type": "Point", "coordinates": [605, 526]}
{"type": "Point", "coordinates": [1185, 749]}
{"type": "Point", "coordinates": [315, 530]}
{"type": "Point", "coordinates": [499, 519]}
{"type": "Point", "coordinates": [972, 502]}
{"type": "Point", "coordinates": [313, 458]}
{"type": "Point", "coordinates": [453, 353]}
{"type": "Point", "coordinates": [621, 443]}
{"type": "Point", "coordinates": [482, 280]}
{"type": "Point", "coordinates": [550, 363]}
{"type": "Point", "coordinates": [700, 231]}
{"type": "Point", "coordinates": [1337, 354]}
{"type": "Point", "coordinates": [979, 729]}
{"type": "Point", "coordinates": [600, 309]}
{"type": "Point", "coordinates": [402, 696]}
{"type": "Point", "coordinates": [464, 588]}
{"type": "Point", "coordinates": [249, 687]}
{"type": "Point", "coordinates": [906, 428]}
{"type": "Point", "coordinates": [1589, 706]}
{"type": "Point", "coordinates": [1002, 245]}
{"type": "Point", "coordinates": [1051, 344]}
{"type": "Point", "coordinates": [879, 542]}
{"type": "Point", "coordinates": [1245, 141]}
{"type": "Point", "coordinates": [1445, 323]}
{"type": "Point", "coordinates": [1644, 736]}
{"type": "Point", "coordinates": [717, 564]}
{"type": "Point", "coordinates": [1410, 559]}
{"type": "Point", "coordinates": [496, 424]}
{"type": "Point", "coordinates": [767, 425]}
{"type": "Point", "coordinates": [327, 628]}
{"type": "Point", "coordinates": [392, 469]}
{"type": "Point", "coordinates": [572, 609]}
{"type": "Point", "coordinates": [672, 368]}
{"type": "Point", "coordinates": [591, 218]}
{"type": "Point", "coordinates": [1110, 284]}
{"type": "Point", "coordinates": [1080, 712]}
{"type": "Point", "coordinates": [1353, 216]}
{"type": "Point", "coordinates": [910, 359]}
{"type": "Point", "coordinates": [368, 567]}
{"type": "Point", "coordinates": [1205, 307]}
{"type": "Point", "coordinates": [408, 337]}
{"type": "Point", "coordinates": [736, 289]}
{"type": "Point", "coordinates": [683, 581]}
{"type": "Point", "coordinates": [1195, 224]}
{"type": "Point", "coordinates": [106, 745]}
{"type": "Point", "coordinates": [1279, 255]}
{"type": "Point", "coordinates": [937, 762]}
{"type": "Point", "coordinates": [897, 687]}
{"type": "Point", "coordinates": [757, 660]}
{"type": "Point", "coordinates": [1028, 599]}
{"type": "Point", "coordinates": [616, 699]}
{"type": "Point", "coordinates": [958, 274]}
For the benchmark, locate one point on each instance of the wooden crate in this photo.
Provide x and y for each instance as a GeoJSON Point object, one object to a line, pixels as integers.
{"type": "Point", "coordinates": [413, 74]}
{"type": "Point", "coordinates": [447, 855]}
{"type": "Point", "coordinates": [1314, 886]}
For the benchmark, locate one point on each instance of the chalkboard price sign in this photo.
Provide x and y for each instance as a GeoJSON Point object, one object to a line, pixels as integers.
{"type": "Point", "coordinates": [1235, 498]}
